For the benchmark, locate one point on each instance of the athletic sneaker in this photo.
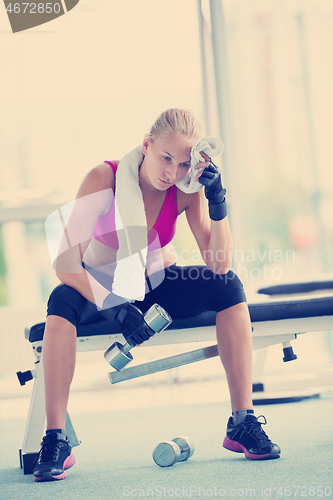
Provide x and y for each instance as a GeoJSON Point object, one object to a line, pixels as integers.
{"type": "Point", "coordinates": [53, 458]}
{"type": "Point", "coordinates": [248, 437]}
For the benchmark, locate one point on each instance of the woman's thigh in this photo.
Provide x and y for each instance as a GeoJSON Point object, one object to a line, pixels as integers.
{"type": "Point", "coordinates": [68, 303]}
{"type": "Point", "coordinates": [183, 292]}
{"type": "Point", "coordinates": [191, 290]}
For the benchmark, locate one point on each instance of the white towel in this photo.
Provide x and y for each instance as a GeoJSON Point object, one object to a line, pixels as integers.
{"type": "Point", "coordinates": [129, 278]}
{"type": "Point", "coordinates": [209, 145]}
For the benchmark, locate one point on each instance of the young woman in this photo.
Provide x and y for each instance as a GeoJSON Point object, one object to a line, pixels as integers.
{"type": "Point", "coordinates": [184, 291]}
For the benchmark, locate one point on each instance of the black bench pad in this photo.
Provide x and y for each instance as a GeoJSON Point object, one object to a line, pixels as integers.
{"type": "Point", "coordinates": [289, 288]}
{"type": "Point", "coordinates": [263, 311]}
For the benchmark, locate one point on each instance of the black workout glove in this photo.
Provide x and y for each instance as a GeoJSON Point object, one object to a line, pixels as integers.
{"type": "Point", "coordinates": [129, 317]}
{"type": "Point", "coordinates": [133, 326]}
{"type": "Point", "coordinates": [214, 192]}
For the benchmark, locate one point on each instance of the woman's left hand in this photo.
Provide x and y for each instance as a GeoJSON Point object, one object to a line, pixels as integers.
{"type": "Point", "coordinates": [210, 177]}
{"type": "Point", "coordinates": [202, 164]}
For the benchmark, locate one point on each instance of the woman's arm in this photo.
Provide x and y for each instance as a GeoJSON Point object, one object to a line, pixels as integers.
{"type": "Point", "coordinates": [92, 199]}
{"type": "Point", "coordinates": [213, 237]}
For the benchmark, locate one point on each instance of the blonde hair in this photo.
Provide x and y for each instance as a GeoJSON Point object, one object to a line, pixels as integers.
{"type": "Point", "coordinates": [176, 121]}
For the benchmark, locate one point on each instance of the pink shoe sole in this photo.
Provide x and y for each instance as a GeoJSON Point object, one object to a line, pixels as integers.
{"type": "Point", "coordinates": [231, 445]}
{"type": "Point", "coordinates": [47, 476]}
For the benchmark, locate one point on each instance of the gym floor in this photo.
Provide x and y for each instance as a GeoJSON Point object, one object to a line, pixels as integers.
{"type": "Point", "coordinates": [115, 461]}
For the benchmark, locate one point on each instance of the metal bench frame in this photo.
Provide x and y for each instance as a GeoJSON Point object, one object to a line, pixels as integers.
{"type": "Point", "coordinates": [265, 333]}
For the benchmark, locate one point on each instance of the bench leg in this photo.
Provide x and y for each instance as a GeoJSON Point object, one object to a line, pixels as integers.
{"type": "Point", "coordinates": [35, 425]}
{"type": "Point", "coordinates": [73, 439]}
{"type": "Point", "coordinates": [258, 370]}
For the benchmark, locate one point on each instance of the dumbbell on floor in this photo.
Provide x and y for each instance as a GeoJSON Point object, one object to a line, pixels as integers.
{"type": "Point", "coordinates": [168, 453]}
{"type": "Point", "coordinates": [156, 319]}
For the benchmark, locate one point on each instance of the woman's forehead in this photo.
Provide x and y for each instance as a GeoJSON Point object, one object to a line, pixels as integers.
{"type": "Point", "coordinates": [175, 144]}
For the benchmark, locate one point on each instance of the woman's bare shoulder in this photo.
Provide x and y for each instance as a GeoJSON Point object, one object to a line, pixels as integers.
{"type": "Point", "coordinates": [184, 200]}
{"type": "Point", "coordinates": [99, 178]}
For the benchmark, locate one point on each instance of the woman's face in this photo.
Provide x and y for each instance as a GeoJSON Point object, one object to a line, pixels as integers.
{"type": "Point", "coordinates": [167, 160]}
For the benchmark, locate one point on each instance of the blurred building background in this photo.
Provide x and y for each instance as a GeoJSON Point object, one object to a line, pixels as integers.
{"type": "Point", "coordinates": [86, 88]}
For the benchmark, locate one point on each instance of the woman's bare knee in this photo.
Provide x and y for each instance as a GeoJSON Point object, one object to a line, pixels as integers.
{"type": "Point", "coordinates": [59, 324]}
{"type": "Point", "coordinates": [237, 312]}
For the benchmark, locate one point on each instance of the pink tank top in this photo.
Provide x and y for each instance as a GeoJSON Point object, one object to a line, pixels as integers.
{"type": "Point", "coordinates": [165, 226]}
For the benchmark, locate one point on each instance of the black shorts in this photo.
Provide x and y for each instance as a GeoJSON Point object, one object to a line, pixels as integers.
{"type": "Point", "coordinates": [181, 291]}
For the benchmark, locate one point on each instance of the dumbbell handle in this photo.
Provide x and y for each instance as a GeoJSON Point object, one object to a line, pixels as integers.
{"type": "Point", "coordinates": [118, 355]}
{"type": "Point", "coordinates": [156, 318]}
{"type": "Point", "coordinates": [126, 348]}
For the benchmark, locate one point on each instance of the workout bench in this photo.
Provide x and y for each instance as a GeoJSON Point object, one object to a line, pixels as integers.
{"type": "Point", "coordinates": [273, 322]}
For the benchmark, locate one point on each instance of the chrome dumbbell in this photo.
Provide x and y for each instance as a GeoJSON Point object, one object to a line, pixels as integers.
{"type": "Point", "coordinates": [168, 453]}
{"type": "Point", "coordinates": [118, 355]}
